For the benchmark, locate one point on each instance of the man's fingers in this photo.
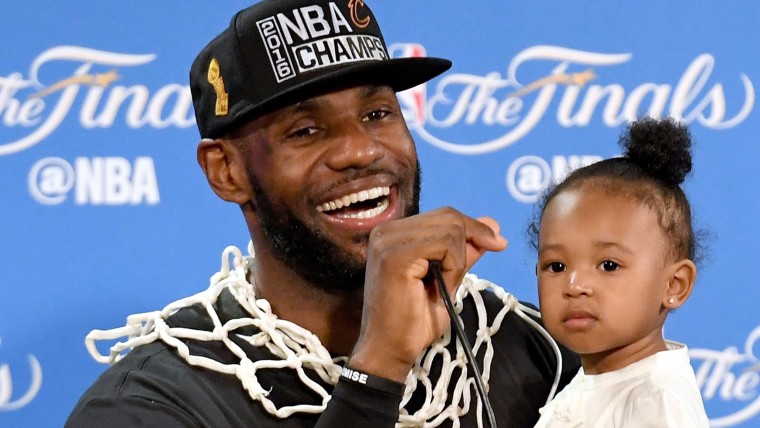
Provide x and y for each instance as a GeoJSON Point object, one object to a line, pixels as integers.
{"type": "Point", "coordinates": [482, 236]}
{"type": "Point", "coordinates": [483, 233]}
{"type": "Point", "coordinates": [491, 223]}
{"type": "Point", "coordinates": [446, 234]}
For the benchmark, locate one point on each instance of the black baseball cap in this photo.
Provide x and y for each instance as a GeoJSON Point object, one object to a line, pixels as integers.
{"type": "Point", "coordinates": [278, 52]}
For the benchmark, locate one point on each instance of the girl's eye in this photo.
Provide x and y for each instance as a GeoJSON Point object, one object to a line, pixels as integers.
{"type": "Point", "coordinates": [556, 267]}
{"type": "Point", "coordinates": [609, 266]}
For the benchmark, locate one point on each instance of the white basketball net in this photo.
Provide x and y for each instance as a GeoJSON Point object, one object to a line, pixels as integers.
{"type": "Point", "coordinates": [299, 349]}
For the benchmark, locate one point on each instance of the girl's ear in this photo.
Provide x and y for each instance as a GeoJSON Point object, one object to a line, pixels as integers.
{"type": "Point", "coordinates": [680, 284]}
{"type": "Point", "coordinates": [225, 170]}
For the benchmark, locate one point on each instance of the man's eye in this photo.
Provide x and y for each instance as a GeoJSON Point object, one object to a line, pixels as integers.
{"type": "Point", "coordinates": [556, 267]}
{"type": "Point", "coordinates": [302, 132]}
{"type": "Point", "coordinates": [376, 115]}
{"type": "Point", "coordinates": [609, 266]}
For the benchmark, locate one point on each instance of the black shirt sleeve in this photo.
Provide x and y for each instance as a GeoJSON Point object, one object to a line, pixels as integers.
{"type": "Point", "coordinates": [351, 403]}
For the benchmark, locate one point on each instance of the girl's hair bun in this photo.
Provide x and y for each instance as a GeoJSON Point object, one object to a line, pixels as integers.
{"type": "Point", "coordinates": [662, 147]}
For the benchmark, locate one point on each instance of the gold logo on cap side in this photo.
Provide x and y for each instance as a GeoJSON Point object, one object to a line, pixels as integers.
{"type": "Point", "coordinates": [359, 22]}
{"type": "Point", "coordinates": [216, 80]}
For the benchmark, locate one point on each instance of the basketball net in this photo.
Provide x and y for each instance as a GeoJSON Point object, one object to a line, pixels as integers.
{"type": "Point", "coordinates": [298, 349]}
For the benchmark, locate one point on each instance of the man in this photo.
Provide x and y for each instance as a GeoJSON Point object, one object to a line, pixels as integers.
{"type": "Point", "coordinates": [296, 104]}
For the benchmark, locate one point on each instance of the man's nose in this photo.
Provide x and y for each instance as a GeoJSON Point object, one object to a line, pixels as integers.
{"type": "Point", "coordinates": [353, 146]}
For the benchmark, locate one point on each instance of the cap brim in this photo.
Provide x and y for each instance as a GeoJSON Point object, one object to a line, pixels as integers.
{"type": "Point", "coordinates": [398, 73]}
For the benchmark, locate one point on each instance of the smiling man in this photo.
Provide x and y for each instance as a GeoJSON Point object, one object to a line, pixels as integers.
{"type": "Point", "coordinates": [333, 320]}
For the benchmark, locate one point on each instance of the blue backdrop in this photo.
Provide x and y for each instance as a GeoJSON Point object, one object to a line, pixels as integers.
{"type": "Point", "coordinates": [104, 211]}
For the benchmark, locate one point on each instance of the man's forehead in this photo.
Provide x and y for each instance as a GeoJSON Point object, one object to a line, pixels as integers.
{"type": "Point", "coordinates": [315, 102]}
{"type": "Point", "coordinates": [362, 91]}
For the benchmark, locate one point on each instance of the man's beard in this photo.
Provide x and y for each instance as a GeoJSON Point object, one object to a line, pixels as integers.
{"type": "Point", "coordinates": [311, 254]}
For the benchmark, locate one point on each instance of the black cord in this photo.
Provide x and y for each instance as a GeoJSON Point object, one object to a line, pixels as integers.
{"type": "Point", "coordinates": [436, 269]}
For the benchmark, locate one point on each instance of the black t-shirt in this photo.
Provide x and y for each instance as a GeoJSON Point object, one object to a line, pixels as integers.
{"type": "Point", "coordinates": [153, 386]}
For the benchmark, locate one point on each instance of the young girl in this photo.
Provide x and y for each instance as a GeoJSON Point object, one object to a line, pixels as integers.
{"type": "Point", "coordinates": [615, 256]}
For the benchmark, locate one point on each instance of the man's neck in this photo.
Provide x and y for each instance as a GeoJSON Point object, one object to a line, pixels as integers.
{"type": "Point", "coordinates": [335, 318]}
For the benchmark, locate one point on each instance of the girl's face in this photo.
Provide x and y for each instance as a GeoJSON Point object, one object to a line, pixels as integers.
{"type": "Point", "coordinates": [603, 274]}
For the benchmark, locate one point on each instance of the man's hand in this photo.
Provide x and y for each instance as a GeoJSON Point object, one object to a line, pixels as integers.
{"type": "Point", "coordinates": [403, 310]}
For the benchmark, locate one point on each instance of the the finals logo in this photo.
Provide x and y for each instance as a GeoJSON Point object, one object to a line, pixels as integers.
{"type": "Point", "coordinates": [34, 110]}
{"type": "Point", "coordinates": [508, 107]}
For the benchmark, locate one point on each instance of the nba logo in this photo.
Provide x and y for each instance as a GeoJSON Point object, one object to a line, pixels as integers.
{"type": "Point", "coordinates": [413, 99]}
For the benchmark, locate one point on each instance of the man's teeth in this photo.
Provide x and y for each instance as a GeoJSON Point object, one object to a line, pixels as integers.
{"type": "Point", "coordinates": [364, 195]}
{"type": "Point", "coordinates": [381, 206]}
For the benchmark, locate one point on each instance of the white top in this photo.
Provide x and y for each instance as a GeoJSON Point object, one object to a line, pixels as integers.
{"type": "Point", "coordinates": [658, 391]}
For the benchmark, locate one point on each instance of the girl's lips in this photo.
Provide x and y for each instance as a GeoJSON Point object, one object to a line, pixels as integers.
{"type": "Point", "coordinates": [578, 320]}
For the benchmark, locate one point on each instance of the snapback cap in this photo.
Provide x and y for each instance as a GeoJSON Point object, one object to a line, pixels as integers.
{"type": "Point", "coordinates": [278, 52]}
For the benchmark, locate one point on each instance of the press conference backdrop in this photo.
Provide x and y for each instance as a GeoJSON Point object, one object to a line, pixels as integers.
{"type": "Point", "coordinates": [104, 211]}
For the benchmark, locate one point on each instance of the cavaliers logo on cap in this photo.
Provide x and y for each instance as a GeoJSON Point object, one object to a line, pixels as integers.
{"type": "Point", "coordinates": [353, 5]}
{"type": "Point", "coordinates": [217, 82]}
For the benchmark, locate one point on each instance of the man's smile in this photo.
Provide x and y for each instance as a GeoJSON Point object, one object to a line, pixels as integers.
{"type": "Point", "coordinates": [363, 204]}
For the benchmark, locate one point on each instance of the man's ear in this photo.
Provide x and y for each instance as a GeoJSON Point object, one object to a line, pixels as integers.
{"type": "Point", "coordinates": [681, 283]}
{"type": "Point", "coordinates": [225, 170]}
